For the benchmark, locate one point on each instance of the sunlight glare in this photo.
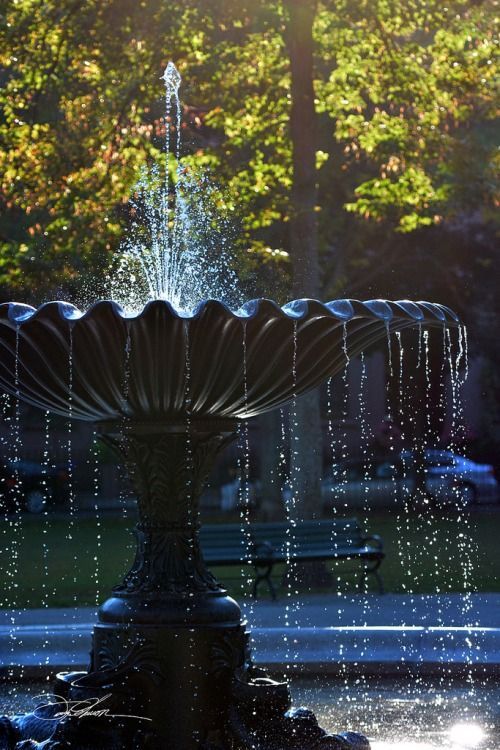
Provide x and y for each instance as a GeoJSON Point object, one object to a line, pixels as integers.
{"type": "Point", "coordinates": [466, 735]}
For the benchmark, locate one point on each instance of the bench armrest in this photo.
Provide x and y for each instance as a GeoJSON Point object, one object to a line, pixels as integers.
{"type": "Point", "coordinates": [376, 539]}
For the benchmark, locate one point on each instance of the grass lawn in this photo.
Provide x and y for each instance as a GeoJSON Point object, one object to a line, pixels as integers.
{"type": "Point", "coordinates": [54, 564]}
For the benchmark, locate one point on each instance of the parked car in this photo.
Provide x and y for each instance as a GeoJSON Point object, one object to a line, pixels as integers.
{"type": "Point", "coordinates": [381, 482]}
{"type": "Point", "coordinates": [32, 486]}
{"type": "Point", "coordinates": [470, 481]}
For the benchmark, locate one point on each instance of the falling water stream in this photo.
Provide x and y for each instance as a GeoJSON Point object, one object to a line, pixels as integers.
{"type": "Point", "coordinates": [456, 535]}
{"type": "Point", "coordinates": [367, 459]}
{"type": "Point", "coordinates": [45, 532]}
{"type": "Point", "coordinates": [96, 487]}
{"type": "Point", "coordinates": [192, 513]}
{"type": "Point", "coordinates": [244, 488]}
{"type": "Point", "coordinates": [71, 489]}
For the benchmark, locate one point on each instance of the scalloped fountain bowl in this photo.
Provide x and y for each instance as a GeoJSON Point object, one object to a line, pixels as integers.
{"type": "Point", "coordinates": [159, 365]}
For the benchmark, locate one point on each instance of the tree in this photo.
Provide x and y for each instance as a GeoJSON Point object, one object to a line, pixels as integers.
{"type": "Point", "coordinates": [306, 437]}
{"type": "Point", "coordinates": [404, 92]}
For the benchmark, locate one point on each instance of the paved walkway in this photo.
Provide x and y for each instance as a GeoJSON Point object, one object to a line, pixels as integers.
{"type": "Point", "coordinates": [316, 633]}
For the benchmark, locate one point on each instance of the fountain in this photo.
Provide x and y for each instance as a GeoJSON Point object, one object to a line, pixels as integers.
{"type": "Point", "coordinates": [170, 663]}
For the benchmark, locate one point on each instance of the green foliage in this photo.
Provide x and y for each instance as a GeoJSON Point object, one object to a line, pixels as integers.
{"type": "Point", "coordinates": [406, 103]}
{"type": "Point", "coordinates": [409, 82]}
{"type": "Point", "coordinates": [75, 126]}
{"type": "Point", "coordinates": [406, 197]}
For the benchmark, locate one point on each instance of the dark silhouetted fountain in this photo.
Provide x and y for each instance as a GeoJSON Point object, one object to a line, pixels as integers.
{"type": "Point", "coordinates": [170, 657]}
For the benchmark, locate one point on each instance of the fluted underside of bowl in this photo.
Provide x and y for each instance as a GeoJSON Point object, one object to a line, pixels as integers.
{"type": "Point", "coordinates": [159, 365]}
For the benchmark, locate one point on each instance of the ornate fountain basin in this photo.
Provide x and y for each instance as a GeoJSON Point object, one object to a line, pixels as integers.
{"type": "Point", "coordinates": [161, 365]}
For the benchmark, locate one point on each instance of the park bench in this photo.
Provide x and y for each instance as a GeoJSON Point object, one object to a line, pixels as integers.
{"type": "Point", "coordinates": [263, 545]}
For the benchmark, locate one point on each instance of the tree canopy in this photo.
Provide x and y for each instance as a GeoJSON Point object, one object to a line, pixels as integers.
{"type": "Point", "coordinates": [406, 101]}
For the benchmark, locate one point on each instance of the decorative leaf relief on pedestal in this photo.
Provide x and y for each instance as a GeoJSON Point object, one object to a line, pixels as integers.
{"type": "Point", "coordinates": [168, 472]}
{"type": "Point", "coordinates": [230, 653]}
{"type": "Point", "coordinates": [120, 653]}
{"type": "Point", "coordinates": [167, 561]}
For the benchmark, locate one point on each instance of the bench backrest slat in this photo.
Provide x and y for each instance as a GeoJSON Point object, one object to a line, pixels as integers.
{"type": "Point", "coordinates": [232, 541]}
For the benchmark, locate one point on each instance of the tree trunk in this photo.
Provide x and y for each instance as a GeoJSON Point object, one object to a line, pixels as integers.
{"type": "Point", "coordinates": [305, 429]}
{"type": "Point", "coordinates": [306, 438]}
{"type": "Point", "coordinates": [304, 228]}
{"type": "Point", "coordinates": [272, 508]}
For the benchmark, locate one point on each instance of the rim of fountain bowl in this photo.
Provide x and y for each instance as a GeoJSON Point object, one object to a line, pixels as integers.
{"type": "Point", "coordinates": [105, 317]}
{"type": "Point", "coordinates": [342, 310]}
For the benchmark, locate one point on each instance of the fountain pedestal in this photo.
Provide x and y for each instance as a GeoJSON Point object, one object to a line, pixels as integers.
{"type": "Point", "coordinates": [170, 629]}
{"type": "Point", "coordinates": [170, 625]}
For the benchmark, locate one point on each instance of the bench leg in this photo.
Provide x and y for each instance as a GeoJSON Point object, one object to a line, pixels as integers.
{"type": "Point", "coordinates": [375, 572]}
{"type": "Point", "coordinates": [265, 576]}
{"type": "Point", "coordinates": [378, 578]}
{"type": "Point", "coordinates": [363, 580]}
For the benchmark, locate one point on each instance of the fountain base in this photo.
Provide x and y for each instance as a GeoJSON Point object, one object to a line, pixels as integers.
{"type": "Point", "coordinates": [108, 710]}
{"type": "Point", "coordinates": [178, 674]}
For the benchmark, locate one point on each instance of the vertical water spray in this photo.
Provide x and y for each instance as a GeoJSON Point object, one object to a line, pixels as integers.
{"type": "Point", "coordinates": [283, 467]}
{"type": "Point", "coordinates": [364, 443]}
{"type": "Point", "coordinates": [126, 376]}
{"type": "Point", "coordinates": [71, 489]}
{"type": "Point", "coordinates": [245, 499]}
{"type": "Point", "coordinates": [461, 365]}
{"type": "Point", "coordinates": [367, 462]}
{"type": "Point", "coordinates": [16, 458]}
{"type": "Point", "coordinates": [192, 519]}
{"type": "Point", "coordinates": [420, 339]}
{"type": "Point", "coordinates": [295, 489]}
{"type": "Point", "coordinates": [6, 422]}
{"type": "Point", "coordinates": [403, 518]}
{"type": "Point", "coordinates": [94, 463]}
{"type": "Point", "coordinates": [46, 527]}
{"type": "Point", "coordinates": [431, 533]}
{"type": "Point", "coordinates": [467, 544]}
{"type": "Point", "coordinates": [189, 436]}
{"type": "Point", "coordinates": [345, 415]}
{"type": "Point", "coordinates": [170, 270]}
{"type": "Point", "coordinates": [332, 443]}
{"type": "Point", "coordinates": [466, 352]}
{"type": "Point", "coordinates": [290, 610]}
{"type": "Point", "coordinates": [429, 514]}
{"type": "Point", "coordinates": [8, 559]}
{"type": "Point", "coordinates": [176, 249]}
